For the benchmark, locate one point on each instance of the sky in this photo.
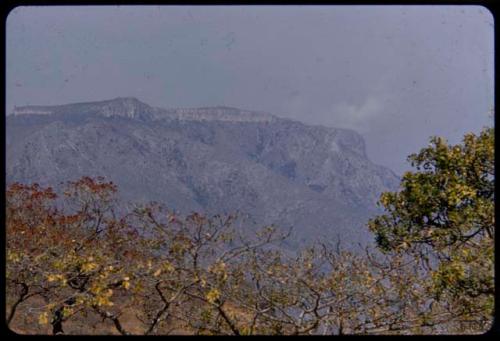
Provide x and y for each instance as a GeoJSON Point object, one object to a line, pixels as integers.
{"type": "Point", "coordinates": [395, 74]}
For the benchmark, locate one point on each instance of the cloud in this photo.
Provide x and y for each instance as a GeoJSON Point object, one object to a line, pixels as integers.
{"type": "Point", "coordinates": [358, 115]}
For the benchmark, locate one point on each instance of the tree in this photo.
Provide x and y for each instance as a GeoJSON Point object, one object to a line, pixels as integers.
{"type": "Point", "coordinates": [443, 218]}
{"type": "Point", "coordinates": [67, 264]}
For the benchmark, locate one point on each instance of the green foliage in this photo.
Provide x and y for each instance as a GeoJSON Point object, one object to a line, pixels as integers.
{"type": "Point", "coordinates": [443, 216]}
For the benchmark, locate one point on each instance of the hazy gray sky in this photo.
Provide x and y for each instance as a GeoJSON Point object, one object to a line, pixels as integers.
{"type": "Point", "coordinates": [395, 74]}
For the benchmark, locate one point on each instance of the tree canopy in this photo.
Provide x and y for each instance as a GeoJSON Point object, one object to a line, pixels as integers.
{"type": "Point", "coordinates": [443, 216]}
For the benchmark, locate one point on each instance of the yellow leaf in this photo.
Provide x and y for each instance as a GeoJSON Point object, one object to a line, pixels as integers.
{"type": "Point", "coordinates": [88, 267]}
{"type": "Point", "coordinates": [13, 257]}
{"type": "Point", "coordinates": [66, 311]}
{"type": "Point", "coordinates": [104, 301]}
{"type": "Point", "coordinates": [168, 267]}
{"type": "Point", "coordinates": [213, 295]}
{"type": "Point", "coordinates": [43, 318]}
{"type": "Point", "coordinates": [51, 278]}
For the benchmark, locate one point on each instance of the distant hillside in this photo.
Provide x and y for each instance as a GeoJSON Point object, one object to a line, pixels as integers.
{"type": "Point", "coordinates": [316, 179]}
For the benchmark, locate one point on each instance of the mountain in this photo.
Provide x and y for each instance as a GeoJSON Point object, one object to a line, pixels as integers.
{"type": "Point", "coordinates": [216, 159]}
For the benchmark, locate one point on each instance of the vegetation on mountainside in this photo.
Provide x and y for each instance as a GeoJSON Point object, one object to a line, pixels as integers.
{"type": "Point", "coordinates": [86, 269]}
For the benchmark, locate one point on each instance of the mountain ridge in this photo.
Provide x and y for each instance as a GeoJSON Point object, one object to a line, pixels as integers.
{"type": "Point", "coordinates": [133, 108]}
{"type": "Point", "coordinates": [119, 106]}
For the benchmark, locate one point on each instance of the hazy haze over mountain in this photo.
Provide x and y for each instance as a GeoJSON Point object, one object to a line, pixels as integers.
{"type": "Point", "coordinates": [395, 74]}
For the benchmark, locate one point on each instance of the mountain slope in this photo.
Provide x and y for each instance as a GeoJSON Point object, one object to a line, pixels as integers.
{"type": "Point", "coordinates": [220, 159]}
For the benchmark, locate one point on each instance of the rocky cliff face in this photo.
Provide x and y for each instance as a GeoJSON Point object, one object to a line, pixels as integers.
{"type": "Point", "coordinates": [315, 179]}
{"type": "Point", "coordinates": [133, 108]}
